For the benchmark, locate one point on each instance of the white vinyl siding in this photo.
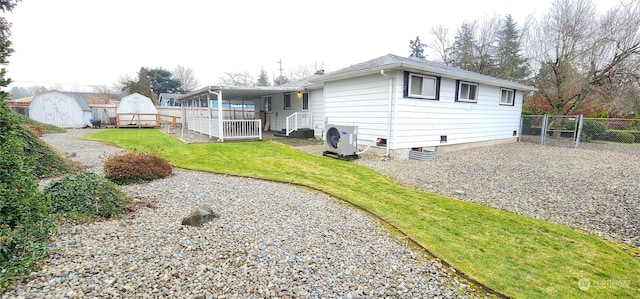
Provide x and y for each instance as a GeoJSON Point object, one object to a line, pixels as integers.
{"type": "Point", "coordinates": [361, 101]}
{"type": "Point", "coordinates": [421, 123]}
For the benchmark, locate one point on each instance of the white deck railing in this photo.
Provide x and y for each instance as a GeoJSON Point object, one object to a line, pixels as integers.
{"type": "Point", "coordinates": [299, 120]}
{"type": "Point", "coordinates": [242, 129]}
{"type": "Point", "coordinates": [231, 129]}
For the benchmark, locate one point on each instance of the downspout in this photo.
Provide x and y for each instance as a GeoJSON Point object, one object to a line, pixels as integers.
{"type": "Point", "coordinates": [389, 118]}
{"type": "Point", "coordinates": [220, 114]}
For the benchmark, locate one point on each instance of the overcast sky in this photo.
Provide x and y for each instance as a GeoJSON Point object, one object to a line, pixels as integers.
{"type": "Point", "coordinates": [94, 42]}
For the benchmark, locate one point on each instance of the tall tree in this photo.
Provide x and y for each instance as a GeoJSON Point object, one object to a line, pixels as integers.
{"type": "Point", "coordinates": [162, 81]}
{"type": "Point", "coordinates": [280, 80]}
{"type": "Point", "coordinates": [186, 77]}
{"type": "Point", "coordinates": [263, 78]}
{"type": "Point", "coordinates": [441, 44]}
{"type": "Point", "coordinates": [511, 63]}
{"type": "Point", "coordinates": [463, 51]}
{"type": "Point", "coordinates": [416, 48]}
{"type": "Point", "coordinates": [578, 51]}
{"type": "Point", "coordinates": [144, 85]}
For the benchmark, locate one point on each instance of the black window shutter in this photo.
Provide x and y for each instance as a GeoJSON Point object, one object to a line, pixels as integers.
{"type": "Point", "coordinates": [457, 89]}
{"type": "Point", "coordinates": [437, 88]}
{"type": "Point", "coordinates": [405, 85]}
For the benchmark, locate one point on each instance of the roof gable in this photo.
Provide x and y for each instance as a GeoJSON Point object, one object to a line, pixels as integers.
{"type": "Point", "coordinates": [390, 61]}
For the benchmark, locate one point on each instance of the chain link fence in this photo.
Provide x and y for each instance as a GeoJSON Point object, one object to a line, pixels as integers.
{"type": "Point", "coordinates": [610, 130]}
{"type": "Point", "coordinates": [572, 130]}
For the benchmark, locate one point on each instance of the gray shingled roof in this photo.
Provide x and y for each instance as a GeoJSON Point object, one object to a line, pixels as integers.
{"type": "Point", "coordinates": [391, 62]}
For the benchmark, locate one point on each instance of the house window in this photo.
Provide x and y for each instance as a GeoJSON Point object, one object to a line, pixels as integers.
{"type": "Point", "coordinates": [467, 92]}
{"type": "Point", "coordinates": [287, 101]}
{"type": "Point", "coordinates": [267, 104]}
{"type": "Point", "coordinates": [507, 96]}
{"type": "Point", "coordinates": [421, 86]}
{"type": "Point", "coordinates": [305, 101]}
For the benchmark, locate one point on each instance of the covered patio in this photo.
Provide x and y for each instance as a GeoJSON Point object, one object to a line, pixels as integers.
{"type": "Point", "coordinates": [227, 113]}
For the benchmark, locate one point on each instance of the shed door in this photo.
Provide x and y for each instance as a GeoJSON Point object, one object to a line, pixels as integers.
{"type": "Point", "coordinates": [57, 111]}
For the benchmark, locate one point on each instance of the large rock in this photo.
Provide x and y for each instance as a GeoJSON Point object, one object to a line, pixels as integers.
{"type": "Point", "coordinates": [201, 215]}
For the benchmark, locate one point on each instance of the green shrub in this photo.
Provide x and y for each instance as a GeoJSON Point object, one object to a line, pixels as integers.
{"type": "Point", "coordinates": [47, 162]}
{"type": "Point", "coordinates": [624, 137]}
{"type": "Point", "coordinates": [134, 167]}
{"type": "Point", "coordinates": [25, 225]}
{"type": "Point", "coordinates": [594, 129]}
{"type": "Point", "coordinates": [84, 196]}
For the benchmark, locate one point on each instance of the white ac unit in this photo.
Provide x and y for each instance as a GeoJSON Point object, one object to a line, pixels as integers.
{"type": "Point", "coordinates": [341, 141]}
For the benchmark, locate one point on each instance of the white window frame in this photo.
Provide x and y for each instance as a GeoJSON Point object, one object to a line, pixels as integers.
{"type": "Point", "coordinates": [305, 101]}
{"type": "Point", "coordinates": [268, 104]}
{"type": "Point", "coordinates": [422, 95]}
{"type": "Point", "coordinates": [508, 100]}
{"type": "Point", "coordinates": [287, 100]}
{"type": "Point", "coordinates": [468, 99]}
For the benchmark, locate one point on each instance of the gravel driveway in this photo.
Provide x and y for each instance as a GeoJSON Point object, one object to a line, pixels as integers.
{"type": "Point", "coordinates": [272, 240]}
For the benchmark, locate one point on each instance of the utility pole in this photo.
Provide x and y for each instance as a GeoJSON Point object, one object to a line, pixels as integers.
{"type": "Point", "coordinates": [280, 78]}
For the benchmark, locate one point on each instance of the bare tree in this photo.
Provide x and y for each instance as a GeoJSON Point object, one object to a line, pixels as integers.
{"type": "Point", "coordinates": [486, 45]}
{"type": "Point", "coordinates": [577, 52]}
{"type": "Point", "coordinates": [304, 71]}
{"type": "Point", "coordinates": [186, 76]}
{"type": "Point", "coordinates": [441, 44]}
{"type": "Point", "coordinates": [237, 79]}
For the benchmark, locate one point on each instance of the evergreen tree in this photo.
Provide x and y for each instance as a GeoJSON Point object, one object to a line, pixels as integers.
{"type": "Point", "coordinates": [280, 80]}
{"type": "Point", "coordinates": [463, 50]}
{"type": "Point", "coordinates": [263, 78]}
{"type": "Point", "coordinates": [162, 81]}
{"type": "Point", "coordinates": [511, 64]}
{"type": "Point", "coordinates": [417, 48]}
{"type": "Point", "coordinates": [144, 85]}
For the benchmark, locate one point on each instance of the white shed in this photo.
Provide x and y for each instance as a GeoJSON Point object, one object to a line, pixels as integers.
{"type": "Point", "coordinates": [136, 110]}
{"type": "Point", "coordinates": [66, 110]}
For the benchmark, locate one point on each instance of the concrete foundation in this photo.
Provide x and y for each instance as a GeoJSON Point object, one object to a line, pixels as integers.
{"type": "Point", "coordinates": [403, 154]}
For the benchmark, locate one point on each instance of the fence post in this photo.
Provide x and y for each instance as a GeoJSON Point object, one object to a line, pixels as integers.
{"type": "Point", "coordinates": [520, 128]}
{"type": "Point", "coordinates": [543, 129]}
{"type": "Point", "coordinates": [581, 120]}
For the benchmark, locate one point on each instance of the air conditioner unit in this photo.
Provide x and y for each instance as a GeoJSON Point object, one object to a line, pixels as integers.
{"type": "Point", "coordinates": [341, 142]}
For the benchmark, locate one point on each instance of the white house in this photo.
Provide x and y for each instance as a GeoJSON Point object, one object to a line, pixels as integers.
{"type": "Point", "coordinates": [62, 109]}
{"type": "Point", "coordinates": [136, 110]}
{"type": "Point", "coordinates": [397, 103]}
{"type": "Point", "coordinates": [403, 103]}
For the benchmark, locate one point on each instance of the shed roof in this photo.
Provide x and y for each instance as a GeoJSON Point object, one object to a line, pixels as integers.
{"type": "Point", "coordinates": [230, 93]}
{"type": "Point", "coordinates": [391, 61]}
{"type": "Point", "coordinates": [79, 97]}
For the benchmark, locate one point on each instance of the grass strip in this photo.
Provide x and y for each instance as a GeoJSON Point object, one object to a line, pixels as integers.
{"type": "Point", "coordinates": [516, 255]}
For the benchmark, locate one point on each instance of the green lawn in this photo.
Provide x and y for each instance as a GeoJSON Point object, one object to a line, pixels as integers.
{"type": "Point", "coordinates": [516, 255]}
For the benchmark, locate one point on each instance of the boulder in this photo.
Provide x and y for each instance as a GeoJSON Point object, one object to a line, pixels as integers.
{"type": "Point", "coordinates": [199, 216]}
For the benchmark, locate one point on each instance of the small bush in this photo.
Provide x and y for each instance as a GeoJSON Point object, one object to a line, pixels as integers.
{"type": "Point", "coordinates": [625, 137]}
{"type": "Point", "coordinates": [84, 196]}
{"type": "Point", "coordinates": [594, 129]}
{"type": "Point", "coordinates": [134, 167]}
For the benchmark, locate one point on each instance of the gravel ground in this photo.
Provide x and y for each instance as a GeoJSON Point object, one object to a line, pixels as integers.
{"type": "Point", "coordinates": [272, 240]}
{"type": "Point", "coordinates": [594, 188]}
